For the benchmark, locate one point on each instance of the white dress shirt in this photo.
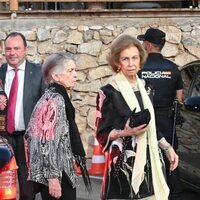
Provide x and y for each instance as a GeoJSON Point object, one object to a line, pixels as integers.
{"type": "Point", "coordinates": [19, 112]}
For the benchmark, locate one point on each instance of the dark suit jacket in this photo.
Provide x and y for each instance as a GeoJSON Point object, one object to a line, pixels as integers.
{"type": "Point", "coordinates": [33, 87]}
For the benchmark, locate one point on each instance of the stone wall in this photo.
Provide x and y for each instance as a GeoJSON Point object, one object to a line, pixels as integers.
{"type": "Point", "coordinates": [90, 38]}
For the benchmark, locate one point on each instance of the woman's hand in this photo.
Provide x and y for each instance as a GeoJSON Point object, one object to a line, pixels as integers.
{"type": "Point", "coordinates": [173, 158]}
{"type": "Point", "coordinates": [128, 131]}
{"type": "Point", "coordinates": [134, 131]}
{"type": "Point", "coordinates": [54, 188]}
{"type": "Point", "coordinates": [170, 153]}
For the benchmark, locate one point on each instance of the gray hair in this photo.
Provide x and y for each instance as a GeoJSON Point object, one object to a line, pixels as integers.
{"type": "Point", "coordinates": [55, 64]}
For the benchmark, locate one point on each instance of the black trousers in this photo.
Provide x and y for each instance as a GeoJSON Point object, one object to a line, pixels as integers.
{"type": "Point", "coordinates": [173, 182]}
{"type": "Point", "coordinates": [67, 191]}
{"type": "Point", "coordinates": [164, 121]}
{"type": "Point", "coordinates": [17, 142]}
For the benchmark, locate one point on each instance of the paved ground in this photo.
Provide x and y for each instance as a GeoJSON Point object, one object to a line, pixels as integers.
{"type": "Point", "coordinates": [82, 194]}
{"type": "Point", "coordinates": [96, 184]}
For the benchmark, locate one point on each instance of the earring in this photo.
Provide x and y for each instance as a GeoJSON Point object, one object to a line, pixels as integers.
{"type": "Point", "coordinates": [118, 70]}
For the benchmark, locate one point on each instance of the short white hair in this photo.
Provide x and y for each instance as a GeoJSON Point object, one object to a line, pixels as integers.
{"type": "Point", "coordinates": [55, 64]}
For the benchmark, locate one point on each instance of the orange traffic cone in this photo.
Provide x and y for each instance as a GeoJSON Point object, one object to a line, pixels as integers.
{"type": "Point", "coordinates": [98, 160]}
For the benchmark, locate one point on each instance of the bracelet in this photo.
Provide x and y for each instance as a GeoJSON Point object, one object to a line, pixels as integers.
{"type": "Point", "coordinates": [167, 147]}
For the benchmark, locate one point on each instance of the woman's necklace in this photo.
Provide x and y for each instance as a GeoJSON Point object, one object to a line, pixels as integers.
{"type": "Point", "coordinates": [134, 85]}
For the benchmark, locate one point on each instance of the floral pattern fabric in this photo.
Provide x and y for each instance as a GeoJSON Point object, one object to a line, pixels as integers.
{"type": "Point", "coordinates": [47, 141]}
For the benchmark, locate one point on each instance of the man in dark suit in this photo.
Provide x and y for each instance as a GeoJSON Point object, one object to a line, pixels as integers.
{"type": "Point", "coordinates": [30, 87]}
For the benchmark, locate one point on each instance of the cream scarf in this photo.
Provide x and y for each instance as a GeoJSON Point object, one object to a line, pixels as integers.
{"type": "Point", "coordinates": [160, 187]}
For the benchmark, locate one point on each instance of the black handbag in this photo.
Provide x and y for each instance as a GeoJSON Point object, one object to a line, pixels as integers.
{"type": "Point", "coordinates": [139, 118]}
